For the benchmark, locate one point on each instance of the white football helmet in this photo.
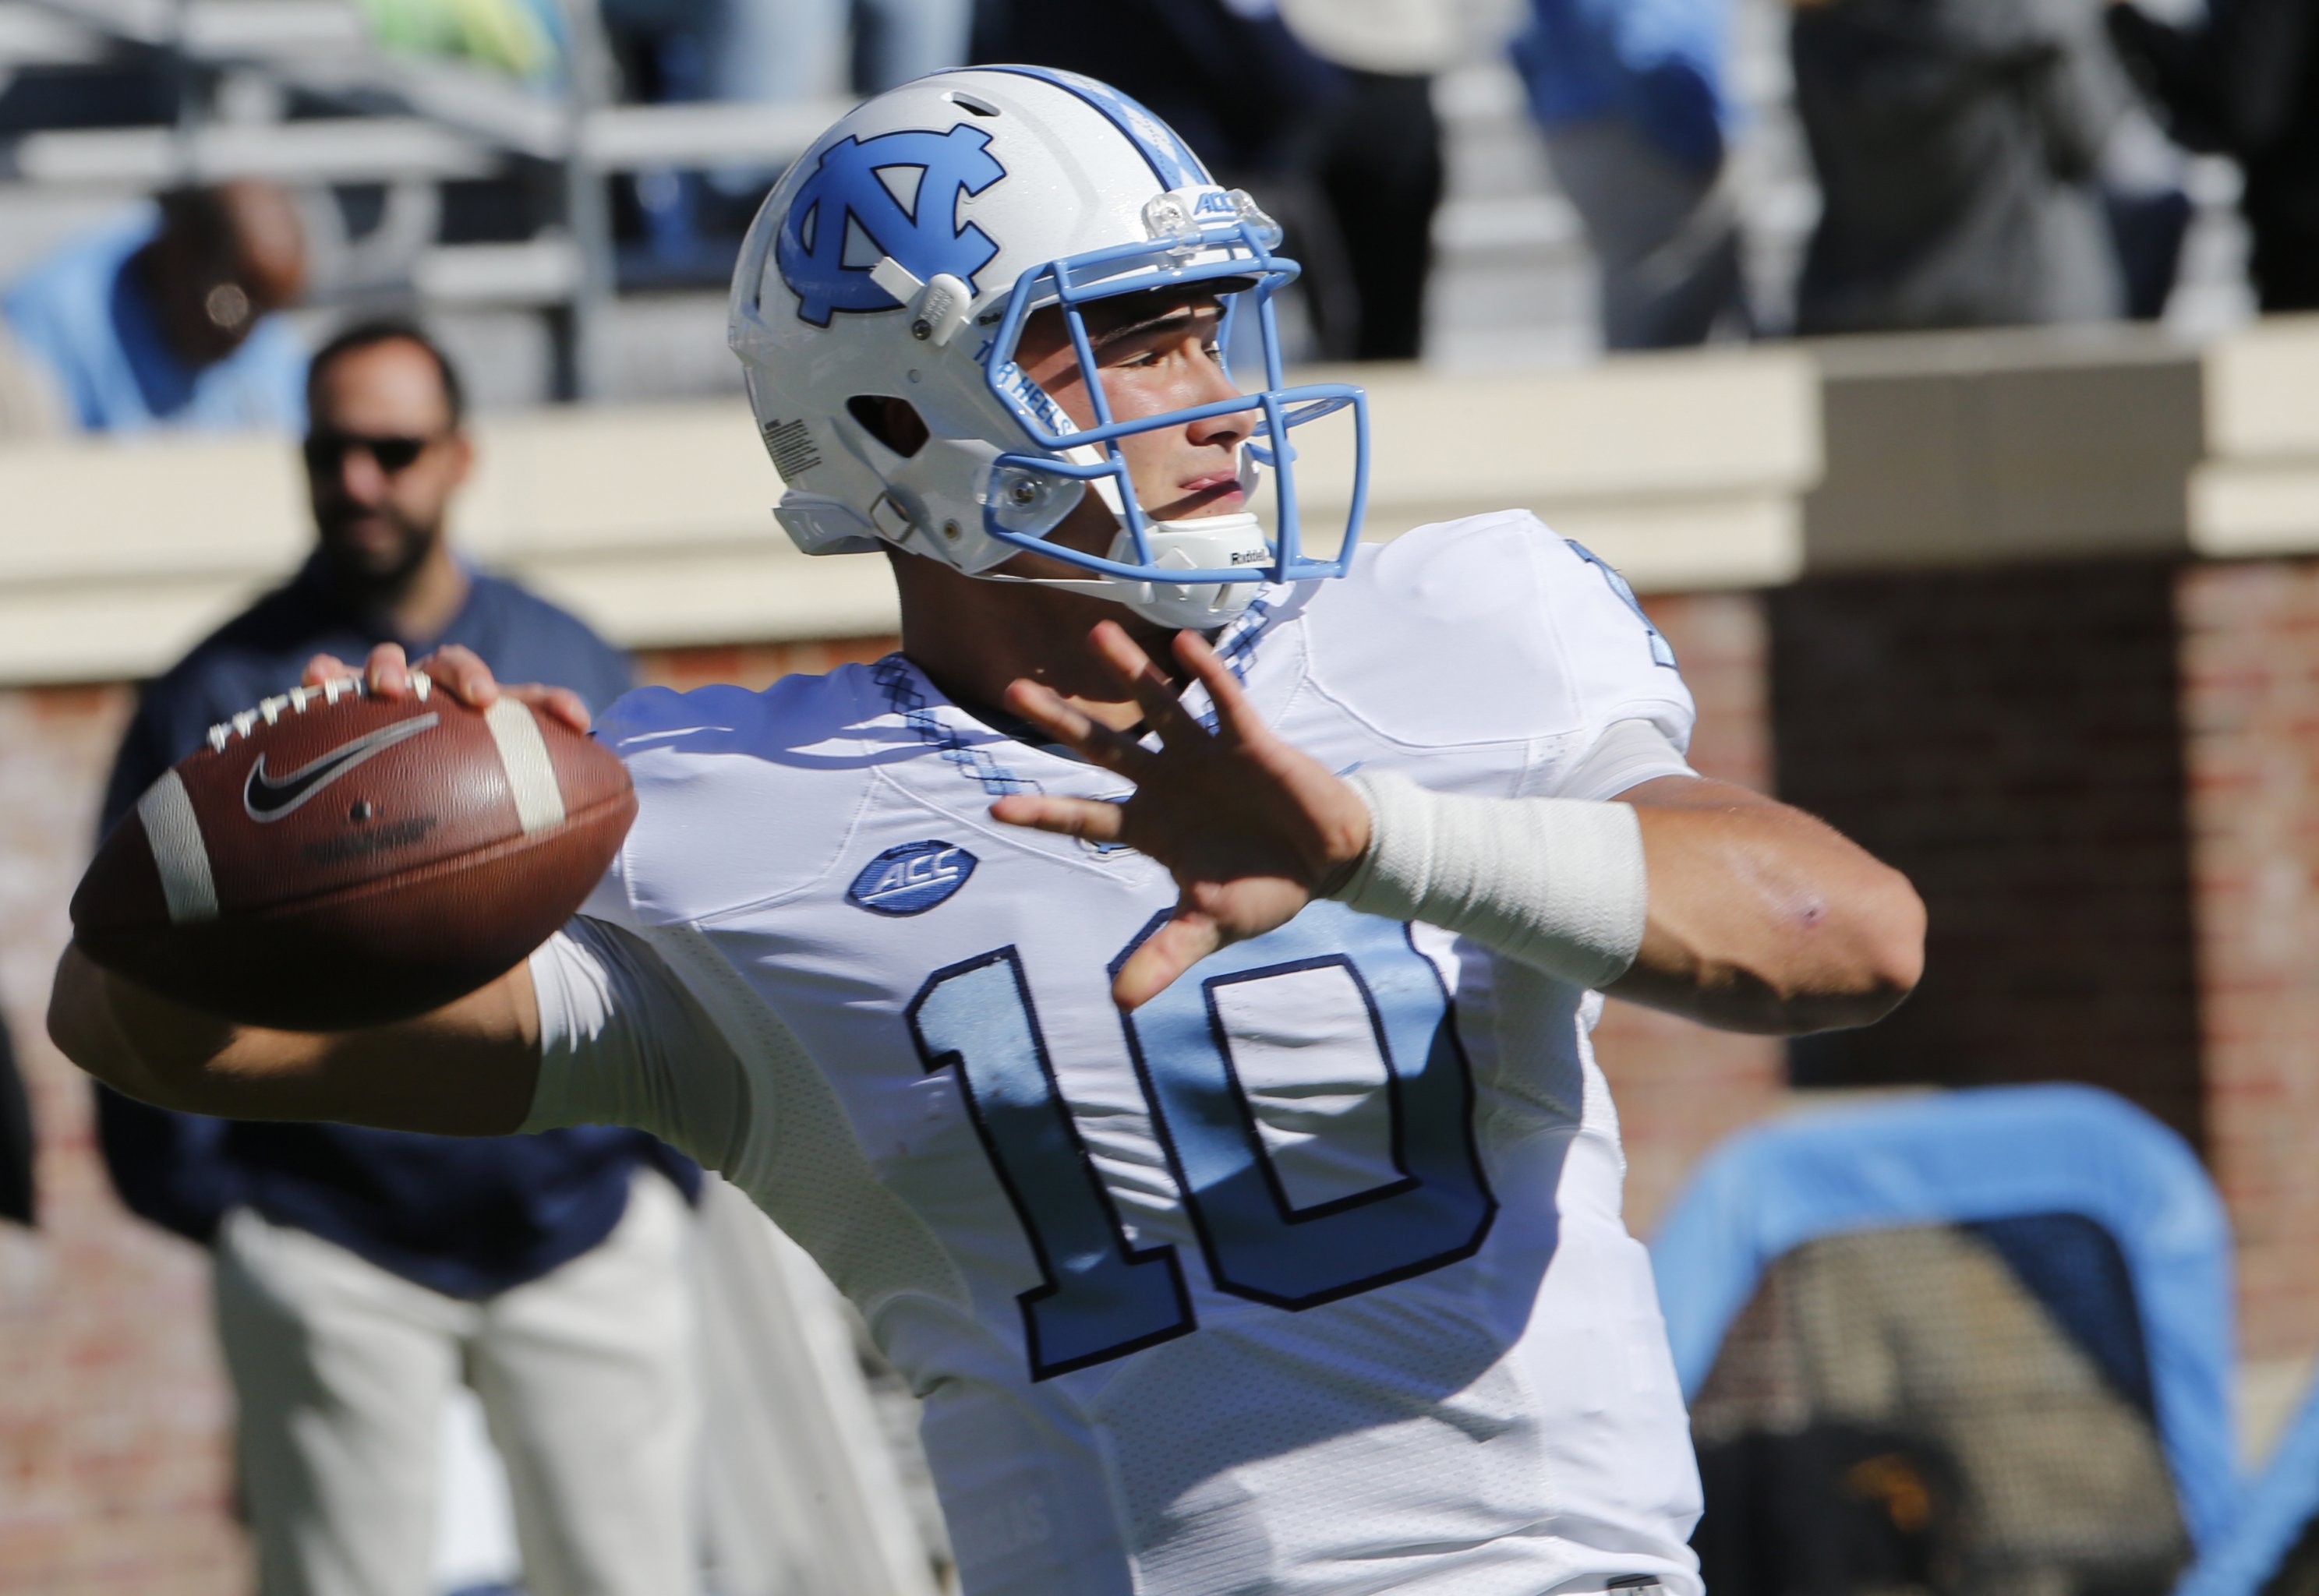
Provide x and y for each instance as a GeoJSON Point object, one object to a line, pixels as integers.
{"type": "Point", "coordinates": [900, 257]}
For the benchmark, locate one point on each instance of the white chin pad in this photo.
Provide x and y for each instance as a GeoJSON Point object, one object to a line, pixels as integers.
{"type": "Point", "coordinates": [1206, 543]}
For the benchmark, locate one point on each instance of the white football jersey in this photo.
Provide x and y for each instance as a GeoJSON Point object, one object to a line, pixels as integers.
{"type": "Point", "coordinates": [1308, 1276]}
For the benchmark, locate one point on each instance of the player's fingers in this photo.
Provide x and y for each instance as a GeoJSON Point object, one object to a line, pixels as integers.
{"type": "Point", "coordinates": [461, 673]}
{"type": "Point", "coordinates": [561, 702]}
{"type": "Point", "coordinates": [1048, 710]}
{"type": "Point", "coordinates": [387, 672]}
{"type": "Point", "coordinates": [1166, 953]}
{"type": "Point", "coordinates": [324, 669]}
{"type": "Point", "coordinates": [1237, 719]}
{"type": "Point", "coordinates": [1072, 817]}
{"type": "Point", "coordinates": [1155, 694]}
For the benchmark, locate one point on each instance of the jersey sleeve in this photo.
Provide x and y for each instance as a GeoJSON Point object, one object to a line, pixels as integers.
{"type": "Point", "coordinates": [622, 1042]}
{"type": "Point", "coordinates": [1619, 666]}
{"type": "Point", "coordinates": [1627, 754]}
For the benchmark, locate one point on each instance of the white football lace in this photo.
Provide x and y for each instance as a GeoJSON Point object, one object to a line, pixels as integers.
{"type": "Point", "coordinates": [296, 700]}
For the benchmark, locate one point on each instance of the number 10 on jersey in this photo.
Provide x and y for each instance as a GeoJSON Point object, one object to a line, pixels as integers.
{"type": "Point", "coordinates": [1330, 973]}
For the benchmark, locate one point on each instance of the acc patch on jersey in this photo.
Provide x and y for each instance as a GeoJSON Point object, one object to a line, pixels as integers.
{"type": "Point", "coordinates": [912, 878]}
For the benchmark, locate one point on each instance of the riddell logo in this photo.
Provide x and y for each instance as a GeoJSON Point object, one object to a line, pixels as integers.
{"type": "Point", "coordinates": [912, 878]}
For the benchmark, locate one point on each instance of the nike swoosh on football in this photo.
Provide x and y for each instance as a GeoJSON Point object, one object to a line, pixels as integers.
{"type": "Point", "coordinates": [265, 799]}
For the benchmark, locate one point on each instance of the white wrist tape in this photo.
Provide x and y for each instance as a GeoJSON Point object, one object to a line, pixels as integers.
{"type": "Point", "coordinates": [1554, 883]}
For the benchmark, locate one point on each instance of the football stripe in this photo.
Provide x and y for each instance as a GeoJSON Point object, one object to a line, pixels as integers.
{"type": "Point", "coordinates": [167, 813]}
{"type": "Point", "coordinates": [531, 775]}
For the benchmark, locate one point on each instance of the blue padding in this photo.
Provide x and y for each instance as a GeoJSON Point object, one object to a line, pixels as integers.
{"type": "Point", "coordinates": [1969, 1157]}
{"type": "Point", "coordinates": [2242, 1562]}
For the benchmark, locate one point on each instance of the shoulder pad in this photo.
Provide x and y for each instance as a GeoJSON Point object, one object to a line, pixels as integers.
{"type": "Point", "coordinates": [1443, 636]}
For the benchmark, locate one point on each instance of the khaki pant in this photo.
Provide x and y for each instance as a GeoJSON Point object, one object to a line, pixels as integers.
{"type": "Point", "coordinates": [586, 1377]}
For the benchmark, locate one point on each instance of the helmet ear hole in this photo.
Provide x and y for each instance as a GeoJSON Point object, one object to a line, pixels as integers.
{"type": "Point", "coordinates": [894, 422]}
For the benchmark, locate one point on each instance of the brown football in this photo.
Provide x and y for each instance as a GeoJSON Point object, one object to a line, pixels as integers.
{"type": "Point", "coordinates": [332, 861]}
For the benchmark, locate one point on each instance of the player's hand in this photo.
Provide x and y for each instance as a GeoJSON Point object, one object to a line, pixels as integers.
{"type": "Point", "coordinates": [457, 671]}
{"type": "Point", "coordinates": [1251, 828]}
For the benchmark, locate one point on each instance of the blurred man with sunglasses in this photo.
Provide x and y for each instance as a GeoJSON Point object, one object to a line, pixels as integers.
{"type": "Point", "coordinates": [360, 1272]}
{"type": "Point", "coordinates": [167, 318]}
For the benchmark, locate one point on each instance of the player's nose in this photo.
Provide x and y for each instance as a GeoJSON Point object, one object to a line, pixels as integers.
{"type": "Point", "coordinates": [1227, 430]}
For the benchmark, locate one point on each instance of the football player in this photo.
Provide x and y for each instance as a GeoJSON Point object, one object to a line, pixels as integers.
{"type": "Point", "coordinates": [1160, 994]}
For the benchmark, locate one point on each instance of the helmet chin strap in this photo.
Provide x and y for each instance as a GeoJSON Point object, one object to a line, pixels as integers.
{"type": "Point", "coordinates": [1200, 543]}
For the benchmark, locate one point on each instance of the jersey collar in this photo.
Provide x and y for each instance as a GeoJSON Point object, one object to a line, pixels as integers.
{"type": "Point", "coordinates": [1000, 754]}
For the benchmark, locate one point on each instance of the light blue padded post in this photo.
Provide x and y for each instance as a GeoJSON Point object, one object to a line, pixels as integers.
{"type": "Point", "coordinates": [2279, 1506]}
{"type": "Point", "coordinates": [1964, 1157]}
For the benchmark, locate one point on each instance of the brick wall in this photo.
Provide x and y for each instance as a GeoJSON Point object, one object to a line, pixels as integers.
{"type": "Point", "coordinates": [1680, 1087]}
{"type": "Point", "coordinates": [2251, 679]}
{"type": "Point", "coordinates": [2010, 739]}
{"type": "Point", "coordinates": [2021, 743]}
{"type": "Point", "coordinates": [115, 1478]}
{"type": "Point", "coordinates": [113, 1414]}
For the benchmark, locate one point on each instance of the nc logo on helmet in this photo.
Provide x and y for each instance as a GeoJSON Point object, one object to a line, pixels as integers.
{"type": "Point", "coordinates": [845, 218]}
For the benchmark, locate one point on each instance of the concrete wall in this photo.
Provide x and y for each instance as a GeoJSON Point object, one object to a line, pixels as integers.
{"type": "Point", "coordinates": [2036, 616]}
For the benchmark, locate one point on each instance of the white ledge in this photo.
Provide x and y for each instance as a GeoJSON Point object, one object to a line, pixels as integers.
{"type": "Point", "coordinates": [1691, 472]}
{"type": "Point", "coordinates": [656, 523]}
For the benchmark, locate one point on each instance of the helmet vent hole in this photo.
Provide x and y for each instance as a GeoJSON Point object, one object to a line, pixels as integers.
{"type": "Point", "coordinates": [971, 106]}
{"type": "Point", "coordinates": [894, 422]}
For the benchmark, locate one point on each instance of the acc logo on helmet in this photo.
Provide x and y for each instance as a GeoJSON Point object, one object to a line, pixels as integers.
{"type": "Point", "coordinates": [845, 197]}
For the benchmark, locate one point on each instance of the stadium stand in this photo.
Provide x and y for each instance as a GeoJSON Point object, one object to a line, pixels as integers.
{"type": "Point", "coordinates": [1975, 1341]}
{"type": "Point", "coordinates": [429, 179]}
{"type": "Point", "coordinates": [477, 199]}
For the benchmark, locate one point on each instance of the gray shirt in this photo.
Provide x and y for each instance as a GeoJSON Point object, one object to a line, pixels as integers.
{"type": "Point", "coordinates": [1956, 142]}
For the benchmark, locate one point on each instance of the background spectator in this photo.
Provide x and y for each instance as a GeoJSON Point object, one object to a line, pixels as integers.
{"type": "Point", "coordinates": [1347, 160]}
{"type": "Point", "coordinates": [17, 1200]}
{"type": "Point", "coordinates": [792, 50]}
{"type": "Point", "coordinates": [1376, 152]}
{"type": "Point", "coordinates": [1956, 143]}
{"type": "Point", "coordinates": [760, 52]}
{"type": "Point", "coordinates": [1629, 95]}
{"type": "Point", "coordinates": [2150, 213]}
{"type": "Point", "coordinates": [521, 38]}
{"type": "Point", "coordinates": [360, 1273]}
{"type": "Point", "coordinates": [2244, 82]}
{"type": "Point", "coordinates": [167, 319]}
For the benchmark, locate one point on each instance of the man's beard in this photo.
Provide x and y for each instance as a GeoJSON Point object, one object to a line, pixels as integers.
{"type": "Point", "coordinates": [366, 574]}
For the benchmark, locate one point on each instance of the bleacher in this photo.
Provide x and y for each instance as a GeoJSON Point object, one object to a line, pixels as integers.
{"type": "Point", "coordinates": [478, 199]}
{"type": "Point", "coordinates": [423, 181]}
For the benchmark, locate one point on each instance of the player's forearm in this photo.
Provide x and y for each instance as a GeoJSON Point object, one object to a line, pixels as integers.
{"type": "Point", "coordinates": [130, 1039]}
{"type": "Point", "coordinates": [1761, 918]}
{"type": "Point", "coordinates": [1704, 899]}
{"type": "Point", "coordinates": [466, 1069]}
